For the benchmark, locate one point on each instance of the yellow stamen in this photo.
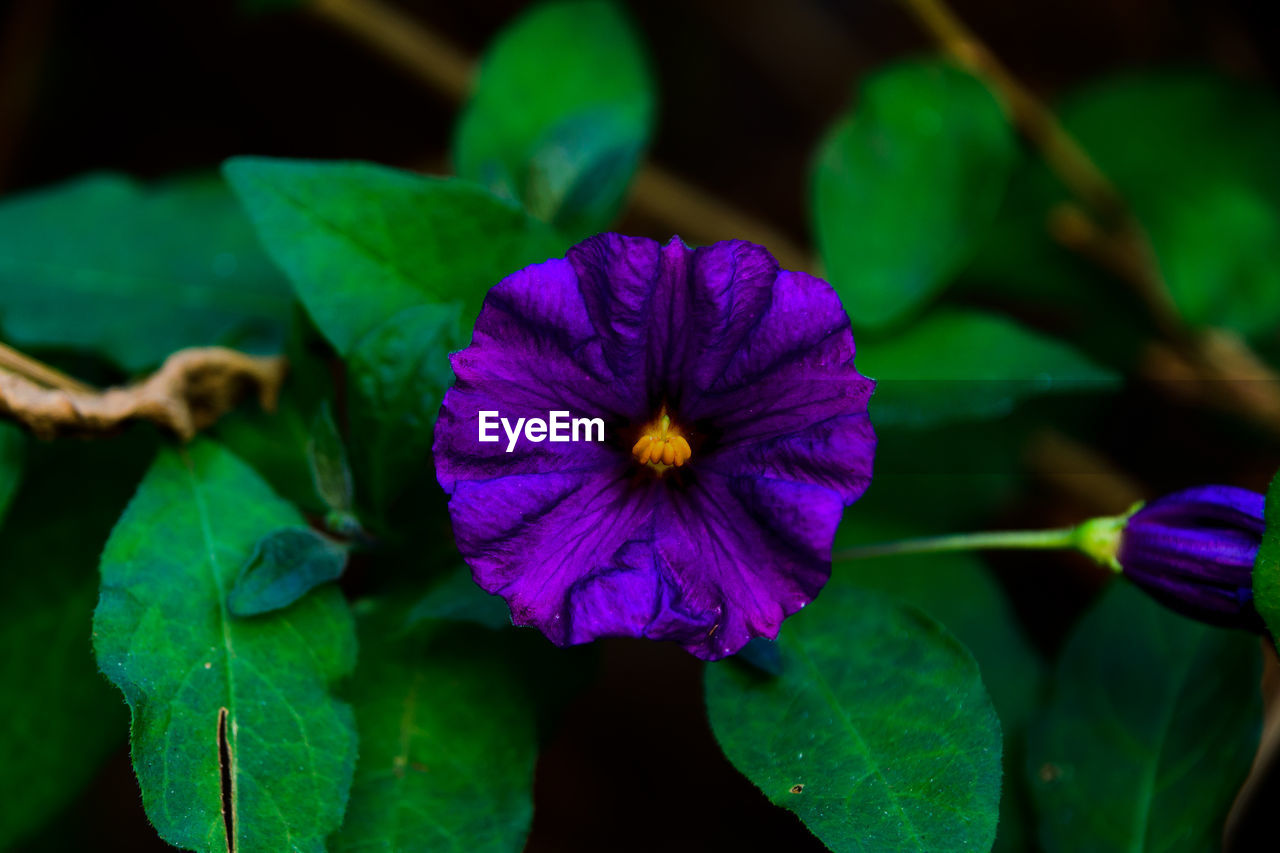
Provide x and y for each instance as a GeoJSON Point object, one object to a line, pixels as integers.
{"type": "Point", "coordinates": [662, 445]}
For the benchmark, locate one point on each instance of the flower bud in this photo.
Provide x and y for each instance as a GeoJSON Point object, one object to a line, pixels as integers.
{"type": "Point", "coordinates": [1193, 551]}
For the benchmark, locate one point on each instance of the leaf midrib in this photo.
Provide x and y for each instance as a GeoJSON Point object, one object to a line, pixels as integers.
{"type": "Point", "coordinates": [206, 533]}
{"type": "Point", "coordinates": [824, 686]}
{"type": "Point", "coordinates": [1146, 786]}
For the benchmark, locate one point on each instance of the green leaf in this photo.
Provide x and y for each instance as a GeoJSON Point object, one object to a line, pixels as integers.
{"type": "Point", "coordinates": [447, 741]}
{"type": "Point", "coordinates": [958, 591]}
{"type": "Point", "coordinates": [904, 187]}
{"type": "Point", "coordinates": [1020, 265]}
{"type": "Point", "coordinates": [878, 733]}
{"type": "Point", "coordinates": [13, 445]}
{"type": "Point", "coordinates": [285, 565]}
{"type": "Point", "coordinates": [327, 458]}
{"type": "Point", "coordinates": [1194, 154]}
{"type": "Point", "coordinates": [398, 373]}
{"type": "Point", "coordinates": [1266, 566]}
{"type": "Point", "coordinates": [1151, 729]}
{"type": "Point", "coordinates": [456, 597]}
{"type": "Point", "coordinates": [561, 114]}
{"type": "Point", "coordinates": [204, 687]}
{"type": "Point", "coordinates": [275, 443]}
{"type": "Point", "coordinates": [362, 242]}
{"type": "Point", "coordinates": [133, 273]}
{"type": "Point", "coordinates": [61, 719]}
{"type": "Point", "coordinates": [957, 365]}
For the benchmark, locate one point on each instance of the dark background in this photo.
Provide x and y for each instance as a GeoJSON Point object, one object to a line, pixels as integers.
{"type": "Point", "coordinates": [746, 88]}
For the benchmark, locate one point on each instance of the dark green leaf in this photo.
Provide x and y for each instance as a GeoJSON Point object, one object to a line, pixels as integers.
{"type": "Point", "coordinates": [455, 597]}
{"type": "Point", "coordinates": [1151, 729]}
{"type": "Point", "coordinates": [905, 186]}
{"type": "Point", "coordinates": [1266, 567]}
{"type": "Point", "coordinates": [1019, 264]}
{"type": "Point", "coordinates": [202, 684]}
{"type": "Point", "coordinates": [275, 443]}
{"type": "Point", "coordinates": [1194, 155]}
{"type": "Point", "coordinates": [61, 719]}
{"type": "Point", "coordinates": [398, 375]}
{"type": "Point", "coordinates": [447, 741]}
{"type": "Point", "coordinates": [13, 444]}
{"type": "Point", "coordinates": [878, 732]}
{"type": "Point", "coordinates": [959, 365]}
{"type": "Point", "coordinates": [327, 458]}
{"type": "Point", "coordinates": [134, 273]}
{"type": "Point", "coordinates": [958, 591]}
{"type": "Point", "coordinates": [561, 113]}
{"type": "Point", "coordinates": [362, 242]}
{"type": "Point", "coordinates": [285, 565]}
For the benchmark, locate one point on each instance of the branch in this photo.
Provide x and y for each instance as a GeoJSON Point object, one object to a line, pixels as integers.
{"type": "Point", "coordinates": [1065, 158]}
{"type": "Point", "coordinates": [1103, 228]}
{"type": "Point", "coordinates": [192, 389]}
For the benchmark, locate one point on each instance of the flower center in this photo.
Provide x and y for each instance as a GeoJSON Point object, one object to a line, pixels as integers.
{"type": "Point", "coordinates": [661, 444]}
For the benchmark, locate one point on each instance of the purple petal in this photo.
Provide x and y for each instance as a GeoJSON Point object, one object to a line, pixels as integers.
{"type": "Point", "coordinates": [751, 549]}
{"type": "Point", "coordinates": [1222, 506]}
{"type": "Point", "coordinates": [530, 538]}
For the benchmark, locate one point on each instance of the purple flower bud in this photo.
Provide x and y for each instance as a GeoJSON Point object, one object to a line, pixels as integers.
{"type": "Point", "coordinates": [1193, 551]}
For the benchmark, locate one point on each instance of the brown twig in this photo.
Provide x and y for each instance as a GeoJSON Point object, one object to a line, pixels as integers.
{"type": "Point", "coordinates": [39, 372]}
{"type": "Point", "coordinates": [1064, 156]}
{"type": "Point", "coordinates": [1082, 474]}
{"type": "Point", "coordinates": [656, 193]}
{"type": "Point", "coordinates": [191, 390]}
{"type": "Point", "coordinates": [1103, 228]}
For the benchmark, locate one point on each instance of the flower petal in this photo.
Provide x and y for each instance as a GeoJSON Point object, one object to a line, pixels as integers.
{"type": "Point", "coordinates": [790, 404]}
{"type": "Point", "coordinates": [752, 550]}
{"type": "Point", "coordinates": [533, 351]}
{"type": "Point", "coordinates": [531, 537]}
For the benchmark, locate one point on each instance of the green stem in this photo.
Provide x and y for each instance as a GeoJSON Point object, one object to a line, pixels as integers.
{"type": "Point", "coordinates": [1098, 538]}
{"type": "Point", "coordinates": [1061, 538]}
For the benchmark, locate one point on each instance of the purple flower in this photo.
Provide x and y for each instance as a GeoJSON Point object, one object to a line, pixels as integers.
{"type": "Point", "coordinates": [735, 432]}
{"type": "Point", "coordinates": [1193, 551]}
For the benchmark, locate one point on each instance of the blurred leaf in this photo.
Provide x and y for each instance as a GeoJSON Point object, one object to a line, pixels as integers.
{"type": "Point", "coordinates": [561, 114]}
{"type": "Point", "coordinates": [447, 741]}
{"type": "Point", "coordinates": [1195, 155]}
{"type": "Point", "coordinates": [905, 186]}
{"type": "Point", "coordinates": [1018, 264]}
{"type": "Point", "coordinates": [285, 565]}
{"type": "Point", "coordinates": [203, 685]}
{"type": "Point", "coordinates": [456, 597]}
{"type": "Point", "coordinates": [1266, 566]}
{"type": "Point", "coordinates": [958, 591]}
{"type": "Point", "coordinates": [61, 719]}
{"type": "Point", "coordinates": [362, 242]}
{"type": "Point", "coordinates": [398, 375]}
{"type": "Point", "coordinates": [134, 272]}
{"type": "Point", "coordinates": [13, 445]}
{"type": "Point", "coordinates": [878, 733]}
{"type": "Point", "coordinates": [327, 458]}
{"type": "Point", "coordinates": [1151, 729]}
{"type": "Point", "coordinates": [275, 443]}
{"type": "Point", "coordinates": [959, 365]}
